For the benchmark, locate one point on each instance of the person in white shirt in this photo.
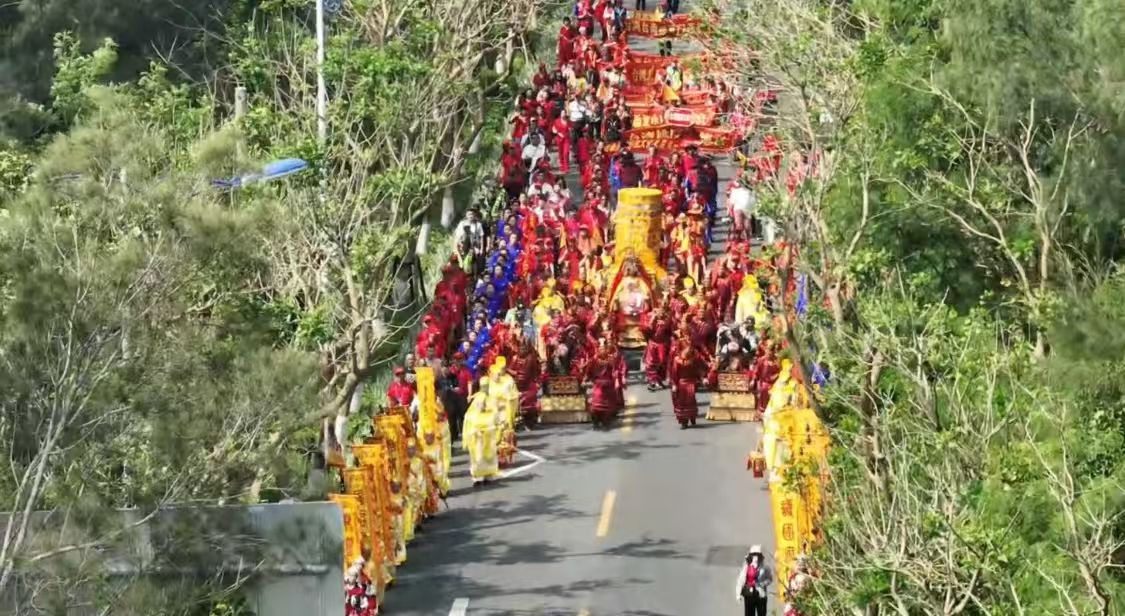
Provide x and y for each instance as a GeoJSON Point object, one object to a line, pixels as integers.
{"type": "Point", "coordinates": [752, 585]}
{"type": "Point", "coordinates": [576, 110]}
{"type": "Point", "coordinates": [742, 202]}
{"type": "Point", "coordinates": [534, 151]}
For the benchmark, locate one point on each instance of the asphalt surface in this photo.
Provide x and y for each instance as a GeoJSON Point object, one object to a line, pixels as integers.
{"type": "Point", "coordinates": [643, 519]}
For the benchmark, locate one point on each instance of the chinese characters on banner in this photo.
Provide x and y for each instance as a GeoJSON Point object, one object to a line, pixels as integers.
{"type": "Point", "coordinates": [652, 116]}
{"type": "Point", "coordinates": [701, 116]}
{"type": "Point", "coordinates": [669, 138]}
{"type": "Point", "coordinates": [350, 506]}
{"type": "Point", "coordinates": [427, 399]}
{"type": "Point", "coordinates": [373, 458]}
{"type": "Point", "coordinates": [647, 117]}
{"type": "Point", "coordinates": [659, 137]}
{"type": "Point", "coordinates": [360, 482]}
{"type": "Point", "coordinates": [717, 139]}
{"type": "Point", "coordinates": [653, 25]}
{"type": "Point", "coordinates": [641, 68]}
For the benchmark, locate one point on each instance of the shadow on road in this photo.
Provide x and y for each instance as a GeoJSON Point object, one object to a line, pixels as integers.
{"type": "Point", "coordinates": [618, 450]}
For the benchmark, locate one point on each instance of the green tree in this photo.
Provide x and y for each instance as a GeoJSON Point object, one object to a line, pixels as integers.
{"type": "Point", "coordinates": [140, 367]}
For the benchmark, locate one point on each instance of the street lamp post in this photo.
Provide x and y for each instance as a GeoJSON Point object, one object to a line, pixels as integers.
{"type": "Point", "coordinates": [321, 89]}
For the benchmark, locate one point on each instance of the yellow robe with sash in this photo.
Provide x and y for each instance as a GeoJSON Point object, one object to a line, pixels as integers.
{"type": "Point", "coordinates": [481, 438]}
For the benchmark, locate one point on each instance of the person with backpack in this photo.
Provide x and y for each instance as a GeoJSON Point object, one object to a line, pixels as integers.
{"type": "Point", "coordinates": [753, 583]}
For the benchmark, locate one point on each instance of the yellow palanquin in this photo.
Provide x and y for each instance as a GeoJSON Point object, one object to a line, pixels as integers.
{"type": "Point", "coordinates": [638, 231]}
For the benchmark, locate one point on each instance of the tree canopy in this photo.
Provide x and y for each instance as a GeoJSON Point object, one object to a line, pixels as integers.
{"type": "Point", "coordinates": [164, 341]}
{"type": "Point", "coordinates": [963, 228]}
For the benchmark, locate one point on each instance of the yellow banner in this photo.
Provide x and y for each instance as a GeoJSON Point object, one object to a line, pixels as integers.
{"type": "Point", "coordinates": [427, 400]}
{"type": "Point", "coordinates": [356, 483]}
{"type": "Point", "coordinates": [374, 457]}
{"type": "Point", "coordinates": [795, 444]}
{"type": "Point", "coordinates": [391, 430]}
{"type": "Point", "coordinates": [350, 506]}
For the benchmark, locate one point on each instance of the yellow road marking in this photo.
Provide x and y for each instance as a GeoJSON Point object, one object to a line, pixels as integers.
{"type": "Point", "coordinates": [607, 513]}
{"type": "Point", "coordinates": [583, 612]}
{"type": "Point", "coordinates": [627, 416]}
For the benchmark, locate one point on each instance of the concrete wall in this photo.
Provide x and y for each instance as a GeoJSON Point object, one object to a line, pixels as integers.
{"type": "Point", "coordinates": [288, 557]}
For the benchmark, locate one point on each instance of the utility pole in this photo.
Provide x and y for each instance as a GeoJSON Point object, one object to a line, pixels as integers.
{"type": "Point", "coordinates": [321, 89]}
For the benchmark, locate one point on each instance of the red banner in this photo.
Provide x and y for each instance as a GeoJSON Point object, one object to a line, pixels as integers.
{"type": "Point", "coordinates": [653, 25]}
{"type": "Point", "coordinates": [638, 95]}
{"type": "Point", "coordinates": [643, 96]}
{"type": "Point", "coordinates": [659, 137]}
{"type": "Point", "coordinates": [717, 139]}
{"type": "Point", "coordinates": [695, 97]}
{"type": "Point", "coordinates": [699, 115]}
{"type": "Point", "coordinates": [642, 73]}
{"type": "Point", "coordinates": [648, 116]}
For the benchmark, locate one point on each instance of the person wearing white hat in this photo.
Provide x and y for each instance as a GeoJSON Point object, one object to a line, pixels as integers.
{"type": "Point", "coordinates": [752, 585]}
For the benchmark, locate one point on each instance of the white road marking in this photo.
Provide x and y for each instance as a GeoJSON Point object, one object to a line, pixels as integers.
{"type": "Point", "coordinates": [460, 607]}
{"type": "Point", "coordinates": [536, 461]}
{"type": "Point", "coordinates": [627, 416]}
{"type": "Point", "coordinates": [607, 514]}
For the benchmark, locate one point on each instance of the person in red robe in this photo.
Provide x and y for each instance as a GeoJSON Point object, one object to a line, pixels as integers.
{"type": "Point", "coordinates": [602, 372]}
{"type": "Point", "coordinates": [672, 198]}
{"type": "Point", "coordinates": [431, 336]}
{"type": "Point", "coordinates": [399, 392]}
{"type": "Point", "coordinates": [766, 368]}
{"type": "Point", "coordinates": [520, 122]}
{"type": "Point", "coordinates": [565, 50]}
{"type": "Point", "coordinates": [658, 331]}
{"type": "Point", "coordinates": [560, 131]}
{"type": "Point", "coordinates": [527, 372]}
{"type": "Point", "coordinates": [652, 167]}
{"type": "Point", "coordinates": [513, 175]}
{"type": "Point", "coordinates": [585, 149]}
{"type": "Point", "coordinates": [541, 77]}
{"type": "Point", "coordinates": [684, 372]}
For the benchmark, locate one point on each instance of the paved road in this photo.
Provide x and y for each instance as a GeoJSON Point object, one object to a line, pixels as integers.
{"type": "Point", "coordinates": [644, 519]}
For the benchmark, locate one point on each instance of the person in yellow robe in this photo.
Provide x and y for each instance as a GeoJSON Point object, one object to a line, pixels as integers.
{"type": "Point", "coordinates": [502, 391]}
{"type": "Point", "coordinates": [787, 391]}
{"type": "Point", "coordinates": [750, 304]}
{"type": "Point", "coordinates": [398, 521]}
{"type": "Point", "coordinates": [446, 461]}
{"type": "Point", "coordinates": [504, 397]}
{"type": "Point", "coordinates": [548, 302]}
{"type": "Point", "coordinates": [415, 492]}
{"type": "Point", "coordinates": [433, 430]}
{"type": "Point", "coordinates": [481, 436]}
{"type": "Point", "coordinates": [690, 293]}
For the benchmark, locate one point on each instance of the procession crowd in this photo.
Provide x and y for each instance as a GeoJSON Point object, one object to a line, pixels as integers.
{"type": "Point", "coordinates": [535, 290]}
